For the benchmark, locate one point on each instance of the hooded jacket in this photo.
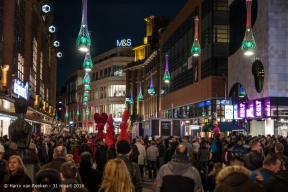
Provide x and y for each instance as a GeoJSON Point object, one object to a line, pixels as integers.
{"type": "Point", "coordinates": [278, 182]}
{"type": "Point", "coordinates": [178, 175]}
{"type": "Point", "coordinates": [236, 178]}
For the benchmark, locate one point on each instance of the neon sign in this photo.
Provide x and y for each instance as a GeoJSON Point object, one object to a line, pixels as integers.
{"type": "Point", "coordinates": [267, 108]}
{"type": "Point", "coordinates": [242, 110]}
{"type": "Point", "coordinates": [258, 108]}
{"type": "Point", "coordinates": [250, 110]}
{"type": "Point", "coordinates": [124, 43]}
{"type": "Point", "coordinates": [21, 89]}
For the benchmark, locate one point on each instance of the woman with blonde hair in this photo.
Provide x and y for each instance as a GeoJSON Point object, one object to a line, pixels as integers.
{"type": "Point", "coordinates": [16, 174]}
{"type": "Point", "coordinates": [116, 177]}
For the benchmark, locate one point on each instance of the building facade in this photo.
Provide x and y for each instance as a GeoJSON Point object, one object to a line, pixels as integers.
{"type": "Point", "coordinates": [196, 91]}
{"type": "Point", "coordinates": [262, 76]}
{"type": "Point", "coordinates": [143, 73]}
{"type": "Point", "coordinates": [28, 63]}
{"type": "Point", "coordinates": [108, 89]}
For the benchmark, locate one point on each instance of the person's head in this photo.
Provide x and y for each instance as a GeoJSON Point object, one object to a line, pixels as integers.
{"type": "Point", "coordinates": [68, 170]}
{"type": "Point", "coordinates": [112, 147]}
{"type": "Point", "coordinates": [173, 139]}
{"type": "Point", "coordinates": [2, 151]}
{"type": "Point", "coordinates": [2, 141]}
{"type": "Point", "coordinates": [272, 162]}
{"type": "Point", "coordinates": [59, 152]}
{"type": "Point", "coordinates": [47, 177]}
{"type": "Point", "coordinates": [116, 177]}
{"type": "Point", "coordinates": [85, 158]}
{"type": "Point", "coordinates": [123, 147]}
{"type": "Point", "coordinates": [218, 136]}
{"type": "Point", "coordinates": [230, 147]}
{"type": "Point", "coordinates": [13, 145]}
{"type": "Point", "coordinates": [69, 158]}
{"type": "Point", "coordinates": [237, 161]}
{"type": "Point", "coordinates": [268, 137]}
{"type": "Point", "coordinates": [255, 145]}
{"type": "Point", "coordinates": [53, 142]}
{"type": "Point", "coordinates": [216, 168]}
{"type": "Point", "coordinates": [279, 147]}
{"type": "Point", "coordinates": [185, 138]}
{"type": "Point", "coordinates": [239, 141]}
{"type": "Point", "coordinates": [14, 165]}
{"type": "Point", "coordinates": [158, 140]}
{"type": "Point", "coordinates": [262, 141]}
{"type": "Point", "coordinates": [137, 140]}
{"type": "Point", "coordinates": [181, 149]}
{"type": "Point", "coordinates": [21, 105]}
{"type": "Point", "coordinates": [85, 140]}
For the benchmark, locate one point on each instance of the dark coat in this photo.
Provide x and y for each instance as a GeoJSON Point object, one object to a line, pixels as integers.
{"type": "Point", "coordinates": [8, 153]}
{"type": "Point", "coordinates": [2, 168]}
{"type": "Point", "coordinates": [111, 154]}
{"type": "Point", "coordinates": [203, 152]}
{"type": "Point", "coordinates": [134, 171]}
{"type": "Point", "coordinates": [172, 149]}
{"type": "Point", "coordinates": [84, 147]}
{"type": "Point", "coordinates": [18, 179]}
{"type": "Point", "coordinates": [236, 178]}
{"type": "Point", "coordinates": [56, 164]}
{"type": "Point", "coordinates": [278, 182]}
{"type": "Point", "coordinates": [253, 160]}
{"type": "Point", "coordinates": [91, 178]}
{"type": "Point", "coordinates": [216, 156]}
{"type": "Point", "coordinates": [100, 156]}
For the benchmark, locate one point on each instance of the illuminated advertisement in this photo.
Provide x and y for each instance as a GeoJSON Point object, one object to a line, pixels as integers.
{"type": "Point", "coordinates": [235, 109]}
{"type": "Point", "coordinates": [20, 89]}
{"type": "Point", "coordinates": [267, 108]}
{"type": "Point", "coordinates": [124, 43]}
{"type": "Point", "coordinates": [241, 110]}
{"type": "Point", "coordinates": [250, 110]}
{"type": "Point", "coordinates": [228, 111]}
{"type": "Point", "coordinates": [258, 112]}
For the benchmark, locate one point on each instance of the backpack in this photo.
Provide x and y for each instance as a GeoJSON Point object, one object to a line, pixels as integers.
{"type": "Point", "coordinates": [214, 147]}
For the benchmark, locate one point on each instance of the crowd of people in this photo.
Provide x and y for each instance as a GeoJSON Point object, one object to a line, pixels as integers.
{"type": "Point", "coordinates": [75, 162]}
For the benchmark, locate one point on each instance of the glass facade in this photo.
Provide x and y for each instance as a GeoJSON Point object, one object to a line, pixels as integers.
{"type": "Point", "coordinates": [117, 91]}
{"type": "Point", "coordinates": [116, 110]}
{"type": "Point", "coordinates": [118, 70]}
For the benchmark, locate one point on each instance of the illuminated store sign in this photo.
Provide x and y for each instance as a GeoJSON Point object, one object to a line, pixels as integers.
{"type": "Point", "coordinates": [267, 108]}
{"type": "Point", "coordinates": [250, 110]}
{"type": "Point", "coordinates": [228, 111]}
{"type": "Point", "coordinates": [236, 112]}
{"type": "Point", "coordinates": [20, 89]}
{"type": "Point", "coordinates": [124, 43]}
{"type": "Point", "coordinates": [241, 110]}
{"type": "Point", "coordinates": [258, 108]}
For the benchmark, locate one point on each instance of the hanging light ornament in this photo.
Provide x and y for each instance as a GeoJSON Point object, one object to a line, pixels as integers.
{"type": "Point", "coordinates": [248, 44]}
{"type": "Point", "coordinates": [84, 104]}
{"type": "Point", "coordinates": [86, 79]}
{"type": "Point", "coordinates": [78, 111]}
{"type": "Point", "coordinates": [66, 114]}
{"type": "Point", "coordinates": [87, 64]}
{"type": "Point", "coordinates": [166, 76]}
{"type": "Point", "coordinates": [56, 116]}
{"type": "Point", "coordinates": [83, 42]}
{"type": "Point", "coordinates": [151, 90]}
{"type": "Point", "coordinates": [131, 102]}
{"type": "Point", "coordinates": [87, 110]}
{"type": "Point", "coordinates": [140, 95]}
{"type": "Point", "coordinates": [85, 99]}
{"type": "Point", "coordinates": [86, 94]}
{"type": "Point", "coordinates": [196, 48]}
{"type": "Point", "coordinates": [87, 88]}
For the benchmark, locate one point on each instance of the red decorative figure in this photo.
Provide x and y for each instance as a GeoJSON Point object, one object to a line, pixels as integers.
{"type": "Point", "coordinates": [110, 131]}
{"type": "Point", "coordinates": [215, 129]}
{"type": "Point", "coordinates": [123, 127]}
{"type": "Point", "coordinates": [101, 121]}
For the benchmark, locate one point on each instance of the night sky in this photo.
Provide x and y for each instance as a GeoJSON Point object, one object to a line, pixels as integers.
{"type": "Point", "coordinates": [108, 20]}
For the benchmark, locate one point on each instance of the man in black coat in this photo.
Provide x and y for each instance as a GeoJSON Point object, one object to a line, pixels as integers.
{"type": "Point", "coordinates": [12, 150]}
{"type": "Point", "coordinates": [278, 182]}
{"type": "Point", "coordinates": [173, 146]}
{"type": "Point", "coordinates": [90, 177]}
{"type": "Point", "coordinates": [84, 147]}
{"type": "Point", "coordinates": [100, 156]}
{"type": "Point", "coordinates": [254, 159]}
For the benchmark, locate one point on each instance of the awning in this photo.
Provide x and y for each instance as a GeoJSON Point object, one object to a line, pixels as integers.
{"type": "Point", "coordinates": [224, 126]}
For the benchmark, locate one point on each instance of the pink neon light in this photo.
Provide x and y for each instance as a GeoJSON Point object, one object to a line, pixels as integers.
{"type": "Point", "coordinates": [258, 108]}
{"type": "Point", "coordinates": [248, 9]}
{"type": "Point", "coordinates": [196, 21]}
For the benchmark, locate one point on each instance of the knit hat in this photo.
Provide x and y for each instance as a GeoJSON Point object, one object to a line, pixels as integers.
{"type": "Point", "coordinates": [123, 147]}
{"type": "Point", "coordinates": [230, 145]}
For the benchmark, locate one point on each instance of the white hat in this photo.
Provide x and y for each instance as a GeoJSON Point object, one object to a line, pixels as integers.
{"type": "Point", "coordinates": [2, 150]}
{"type": "Point", "coordinates": [150, 138]}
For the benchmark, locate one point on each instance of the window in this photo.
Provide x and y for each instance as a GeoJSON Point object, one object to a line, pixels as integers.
{"type": "Point", "coordinates": [117, 91]}
{"type": "Point", "coordinates": [221, 33]}
{"type": "Point", "coordinates": [118, 70]}
{"type": "Point", "coordinates": [20, 67]}
{"type": "Point", "coordinates": [96, 76]}
{"type": "Point", "coordinates": [220, 5]}
{"type": "Point", "coordinates": [101, 74]}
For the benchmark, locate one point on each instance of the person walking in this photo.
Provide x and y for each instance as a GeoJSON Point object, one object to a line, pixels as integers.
{"type": "Point", "coordinates": [152, 154]}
